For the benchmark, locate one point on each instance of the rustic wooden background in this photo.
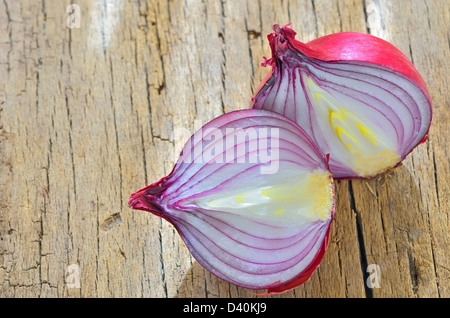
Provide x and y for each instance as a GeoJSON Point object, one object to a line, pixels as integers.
{"type": "Point", "coordinates": [89, 115]}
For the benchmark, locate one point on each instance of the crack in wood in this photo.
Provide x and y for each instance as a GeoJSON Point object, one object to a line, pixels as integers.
{"type": "Point", "coordinates": [360, 236]}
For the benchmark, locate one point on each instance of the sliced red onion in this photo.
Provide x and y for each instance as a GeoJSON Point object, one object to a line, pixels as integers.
{"type": "Point", "coordinates": [252, 197]}
{"type": "Point", "coordinates": [358, 97]}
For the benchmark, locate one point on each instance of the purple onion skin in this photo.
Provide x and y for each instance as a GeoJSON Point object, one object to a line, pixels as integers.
{"type": "Point", "coordinates": [166, 198]}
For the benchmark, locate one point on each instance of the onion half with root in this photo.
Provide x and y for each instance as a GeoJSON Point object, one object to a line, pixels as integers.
{"type": "Point", "coordinates": [359, 98]}
{"type": "Point", "coordinates": [252, 197]}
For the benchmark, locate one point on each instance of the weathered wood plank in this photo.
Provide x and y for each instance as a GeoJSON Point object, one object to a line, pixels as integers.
{"type": "Point", "coordinates": [89, 115]}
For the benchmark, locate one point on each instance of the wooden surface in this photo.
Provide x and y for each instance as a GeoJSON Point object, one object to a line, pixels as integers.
{"type": "Point", "coordinates": [89, 115]}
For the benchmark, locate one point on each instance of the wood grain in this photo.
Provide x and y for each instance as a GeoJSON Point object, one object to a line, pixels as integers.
{"type": "Point", "coordinates": [89, 115]}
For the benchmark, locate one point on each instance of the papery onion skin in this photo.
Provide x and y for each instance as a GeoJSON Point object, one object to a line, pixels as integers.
{"type": "Point", "coordinates": [341, 48]}
{"type": "Point", "coordinates": [354, 46]}
{"type": "Point", "coordinates": [180, 198]}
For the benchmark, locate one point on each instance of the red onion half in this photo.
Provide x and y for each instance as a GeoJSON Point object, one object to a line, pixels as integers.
{"type": "Point", "coordinates": [252, 197]}
{"type": "Point", "coordinates": [358, 97]}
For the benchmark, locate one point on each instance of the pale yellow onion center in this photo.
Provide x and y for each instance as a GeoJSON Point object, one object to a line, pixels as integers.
{"type": "Point", "coordinates": [365, 148]}
{"type": "Point", "coordinates": [305, 197]}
